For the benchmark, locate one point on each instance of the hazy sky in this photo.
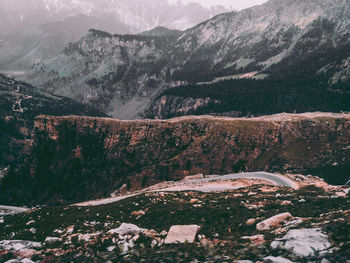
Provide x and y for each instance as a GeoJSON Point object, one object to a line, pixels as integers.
{"type": "Point", "coordinates": [235, 4]}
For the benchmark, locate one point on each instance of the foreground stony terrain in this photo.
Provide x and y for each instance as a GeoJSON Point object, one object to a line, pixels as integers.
{"type": "Point", "coordinates": [308, 225]}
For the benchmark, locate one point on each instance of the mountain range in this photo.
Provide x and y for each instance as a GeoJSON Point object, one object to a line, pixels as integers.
{"type": "Point", "coordinates": [284, 55]}
{"type": "Point", "coordinates": [32, 30]}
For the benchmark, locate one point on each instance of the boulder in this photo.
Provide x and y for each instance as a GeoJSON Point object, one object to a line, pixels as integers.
{"type": "Point", "coordinates": [25, 253]}
{"type": "Point", "coordinates": [19, 245]}
{"type": "Point", "coordinates": [126, 229]}
{"type": "Point", "coordinates": [273, 222]}
{"type": "Point", "coordinates": [286, 202]}
{"type": "Point", "coordinates": [276, 260]}
{"type": "Point", "coordinates": [182, 234]}
{"type": "Point", "coordinates": [52, 240]}
{"type": "Point", "coordinates": [304, 242]}
{"type": "Point", "coordinates": [257, 239]}
{"type": "Point", "coordinates": [250, 221]}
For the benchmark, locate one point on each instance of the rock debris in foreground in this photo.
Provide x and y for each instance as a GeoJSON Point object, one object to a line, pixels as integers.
{"type": "Point", "coordinates": [304, 242]}
{"type": "Point", "coordinates": [182, 234]}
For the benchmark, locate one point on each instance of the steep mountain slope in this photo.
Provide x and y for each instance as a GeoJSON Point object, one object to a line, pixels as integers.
{"type": "Point", "coordinates": [268, 41]}
{"type": "Point", "coordinates": [105, 70]}
{"type": "Point", "coordinates": [19, 104]}
{"type": "Point", "coordinates": [80, 158]}
{"type": "Point", "coordinates": [32, 30]}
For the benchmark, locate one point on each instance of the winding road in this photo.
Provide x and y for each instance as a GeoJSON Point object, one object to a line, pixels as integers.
{"type": "Point", "coordinates": [276, 179]}
{"type": "Point", "coordinates": [195, 185]}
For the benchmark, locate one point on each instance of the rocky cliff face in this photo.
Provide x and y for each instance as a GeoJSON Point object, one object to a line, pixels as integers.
{"type": "Point", "coordinates": [81, 158]}
{"type": "Point", "coordinates": [117, 73]}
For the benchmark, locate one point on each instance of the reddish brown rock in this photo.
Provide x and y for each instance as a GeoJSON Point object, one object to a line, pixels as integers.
{"type": "Point", "coordinates": [250, 221]}
{"type": "Point", "coordinates": [193, 201]}
{"type": "Point", "coordinates": [273, 222]}
{"type": "Point", "coordinates": [25, 253]}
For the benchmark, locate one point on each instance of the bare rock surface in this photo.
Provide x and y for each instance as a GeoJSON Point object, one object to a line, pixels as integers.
{"type": "Point", "coordinates": [182, 234]}
{"type": "Point", "coordinates": [126, 229]}
{"type": "Point", "coordinates": [18, 244]}
{"type": "Point", "coordinates": [272, 259]}
{"type": "Point", "coordinates": [304, 242]}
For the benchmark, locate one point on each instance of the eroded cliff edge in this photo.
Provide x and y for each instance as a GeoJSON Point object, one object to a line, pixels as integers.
{"type": "Point", "coordinates": [79, 158]}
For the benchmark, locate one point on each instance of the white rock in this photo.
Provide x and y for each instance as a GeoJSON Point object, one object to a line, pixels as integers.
{"type": "Point", "coordinates": [182, 234]}
{"type": "Point", "coordinates": [154, 243]}
{"type": "Point", "coordinates": [87, 237]}
{"type": "Point", "coordinates": [18, 244]}
{"type": "Point", "coordinates": [111, 248]}
{"type": "Point", "coordinates": [131, 244]}
{"type": "Point", "coordinates": [294, 222]}
{"type": "Point", "coordinates": [30, 222]}
{"type": "Point", "coordinates": [304, 242]}
{"type": "Point", "coordinates": [51, 240]}
{"type": "Point", "coordinates": [276, 260]}
{"type": "Point", "coordinates": [125, 248]}
{"type": "Point", "coordinates": [126, 229]}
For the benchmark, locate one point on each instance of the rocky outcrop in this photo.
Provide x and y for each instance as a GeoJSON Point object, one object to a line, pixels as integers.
{"type": "Point", "coordinates": [304, 242]}
{"type": "Point", "coordinates": [92, 157]}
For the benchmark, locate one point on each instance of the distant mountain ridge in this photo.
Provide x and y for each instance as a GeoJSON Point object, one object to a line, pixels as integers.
{"type": "Point", "coordinates": [32, 30]}
{"type": "Point", "coordinates": [124, 75]}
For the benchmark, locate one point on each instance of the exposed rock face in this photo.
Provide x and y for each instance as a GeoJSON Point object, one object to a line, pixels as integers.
{"type": "Point", "coordinates": [304, 242]}
{"type": "Point", "coordinates": [118, 74]}
{"type": "Point", "coordinates": [92, 157]}
{"type": "Point", "coordinates": [273, 40]}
